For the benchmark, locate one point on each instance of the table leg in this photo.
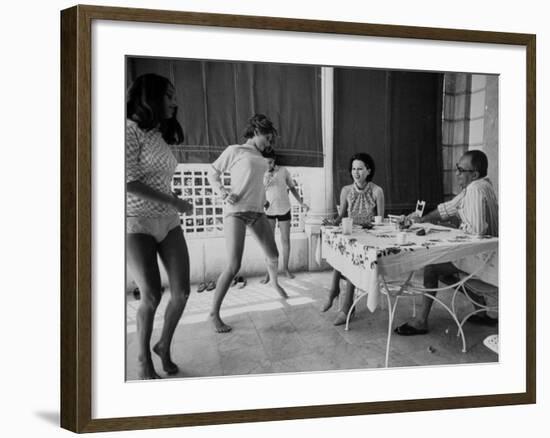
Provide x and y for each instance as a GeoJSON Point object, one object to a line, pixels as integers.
{"type": "Point", "coordinates": [350, 311]}
{"type": "Point", "coordinates": [392, 307]}
{"type": "Point", "coordinates": [453, 315]}
{"type": "Point", "coordinates": [391, 315]}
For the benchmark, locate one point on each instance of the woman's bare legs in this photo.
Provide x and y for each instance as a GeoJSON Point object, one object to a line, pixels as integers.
{"type": "Point", "coordinates": [263, 233]}
{"type": "Point", "coordinates": [272, 223]}
{"type": "Point", "coordinates": [175, 257]}
{"type": "Point", "coordinates": [284, 227]}
{"type": "Point", "coordinates": [346, 305]}
{"type": "Point", "coordinates": [143, 268]}
{"type": "Point", "coordinates": [234, 230]}
{"type": "Point", "coordinates": [334, 290]}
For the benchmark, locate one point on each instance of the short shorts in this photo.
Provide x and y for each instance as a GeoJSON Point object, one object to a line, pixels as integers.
{"type": "Point", "coordinates": [158, 227]}
{"type": "Point", "coordinates": [280, 217]}
{"type": "Point", "coordinates": [248, 217]}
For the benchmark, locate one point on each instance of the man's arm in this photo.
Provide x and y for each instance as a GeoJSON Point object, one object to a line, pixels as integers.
{"type": "Point", "coordinates": [443, 212]}
{"type": "Point", "coordinates": [432, 217]}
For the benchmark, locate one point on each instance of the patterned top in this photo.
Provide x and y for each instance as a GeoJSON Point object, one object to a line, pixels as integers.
{"type": "Point", "coordinates": [276, 190]}
{"type": "Point", "coordinates": [362, 204]}
{"type": "Point", "coordinates": [476, 206]}
{"type": "Point", "coordinates": [247, 167]}
{"type": "Point", "coordinates": [150, 161]}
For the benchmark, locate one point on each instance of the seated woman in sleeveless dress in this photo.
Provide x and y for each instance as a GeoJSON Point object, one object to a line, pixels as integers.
{"type": "Point", "coordinates": [360, 201]}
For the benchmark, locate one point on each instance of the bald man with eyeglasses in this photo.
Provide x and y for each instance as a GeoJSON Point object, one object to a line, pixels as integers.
{"type": "Point", "coordinates": [476, 207]}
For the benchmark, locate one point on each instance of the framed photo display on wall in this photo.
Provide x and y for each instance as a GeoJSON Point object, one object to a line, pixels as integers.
{"type": "Point", "coordinates": [176, 129]}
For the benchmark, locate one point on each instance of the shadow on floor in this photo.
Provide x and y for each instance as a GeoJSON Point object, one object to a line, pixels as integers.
{"type": "Point", "coordinates": [271, 335]}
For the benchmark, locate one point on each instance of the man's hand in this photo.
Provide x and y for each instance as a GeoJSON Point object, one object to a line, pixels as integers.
{"type": "Point", "coordinates": [414, 218]}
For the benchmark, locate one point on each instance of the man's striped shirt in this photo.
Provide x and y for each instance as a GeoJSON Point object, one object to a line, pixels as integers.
{"type": "Point", "coordinates": [476, 206]}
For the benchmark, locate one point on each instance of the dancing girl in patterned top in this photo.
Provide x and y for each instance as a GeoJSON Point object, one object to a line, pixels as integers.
{"type": "Point", "coordinates": [152, 215]}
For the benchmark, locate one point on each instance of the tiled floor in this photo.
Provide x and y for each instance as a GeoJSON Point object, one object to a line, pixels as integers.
{"type": "Point", "coordinates": [273, 336]}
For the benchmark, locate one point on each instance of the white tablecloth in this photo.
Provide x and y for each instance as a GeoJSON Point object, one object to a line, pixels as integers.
{"type": "Point", "coordinates": [365, 254]}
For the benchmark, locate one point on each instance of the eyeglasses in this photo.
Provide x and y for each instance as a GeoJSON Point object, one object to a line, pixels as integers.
{"type": "Point", "coordinates": [462, 170]}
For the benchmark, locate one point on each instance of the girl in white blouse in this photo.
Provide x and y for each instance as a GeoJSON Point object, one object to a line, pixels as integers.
{"type": "Point", "coordinates": [278, 183]}
{"type": "Point", "coordinates": [244, 208]}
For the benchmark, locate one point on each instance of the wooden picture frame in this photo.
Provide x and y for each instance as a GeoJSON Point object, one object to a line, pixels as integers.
{"type": "Point", "coordinates": [76, 217]}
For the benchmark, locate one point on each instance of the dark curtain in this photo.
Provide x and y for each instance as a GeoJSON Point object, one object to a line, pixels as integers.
{"type": "Point", "coordinates": [216, 99]}
{"type": "Point", "coordinates": [396, 118]}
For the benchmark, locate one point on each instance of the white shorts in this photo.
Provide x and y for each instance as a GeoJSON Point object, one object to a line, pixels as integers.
{"type": "Point", "coordinates": [158, 227]}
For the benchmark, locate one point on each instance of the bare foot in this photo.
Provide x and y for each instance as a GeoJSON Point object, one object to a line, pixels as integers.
{"type": "Point", "coordinates": [219, 325]}
{"type": "Point", "coordinates": [265, 280]}
{"type": "Point", "coordinates": [280, 290]}
{"type": "Point", "coordinates": [289, 274]}
{"type": "Point", "coordinates": [146, 370]}
{"type": "Point", "coordinates": [328, 303]}
{"type": "Point", "coordinates": [167, 364]}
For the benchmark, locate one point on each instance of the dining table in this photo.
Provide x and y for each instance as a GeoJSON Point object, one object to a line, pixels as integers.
{"type": "Point", "coordinates": [380, 260]}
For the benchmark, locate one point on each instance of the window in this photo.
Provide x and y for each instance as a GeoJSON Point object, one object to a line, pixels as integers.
{"type": "Point", "coordinates": [190, 182]}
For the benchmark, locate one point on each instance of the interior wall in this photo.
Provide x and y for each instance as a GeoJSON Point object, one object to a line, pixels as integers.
{"type": "Point", "coordinates": [470, 121]}
{"type": "Point", "coordinates": [490, 128]}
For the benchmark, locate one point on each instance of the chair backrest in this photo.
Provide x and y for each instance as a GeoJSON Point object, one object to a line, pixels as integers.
{"type": "Point", "coordinates": [420, 208]}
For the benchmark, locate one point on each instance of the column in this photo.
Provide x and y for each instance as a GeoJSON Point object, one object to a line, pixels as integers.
{"type": "Point", "coordinates": [322, 193]}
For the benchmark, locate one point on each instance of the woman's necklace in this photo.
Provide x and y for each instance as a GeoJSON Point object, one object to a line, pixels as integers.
{"type": "Point", "coordinates": [358, 187]}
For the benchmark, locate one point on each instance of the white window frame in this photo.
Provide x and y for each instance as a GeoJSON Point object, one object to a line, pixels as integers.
{"type": "Point", "coordinates": [190, 182]}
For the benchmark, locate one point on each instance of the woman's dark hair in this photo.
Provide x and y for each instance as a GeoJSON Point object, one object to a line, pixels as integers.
{"type": "Point", "coordinates": [271, 154]}
{"type": "Point", "coordinates": [260, 123]}
{"type": "Point", "coordinates": [144, 105]}
{"type": "Point", "coordinates": [367, 160]}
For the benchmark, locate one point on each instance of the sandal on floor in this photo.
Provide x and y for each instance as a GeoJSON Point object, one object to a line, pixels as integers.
{"type": "Point", "coordinates": [483, 320]}
{"type": "Point", "coordinates": [211, 285]}
{"type": "Point", "coordinates": [201, 287]}
{"type": "Point", "coordinates": [240, 282]}
{"type": "Point", "coordinates": [409, 330]}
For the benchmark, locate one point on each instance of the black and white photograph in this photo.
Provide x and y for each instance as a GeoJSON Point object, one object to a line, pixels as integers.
{"type": "Point", "coordinates": [296, 218]}
{"type": "Point", "coordinates": [275, 219]}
